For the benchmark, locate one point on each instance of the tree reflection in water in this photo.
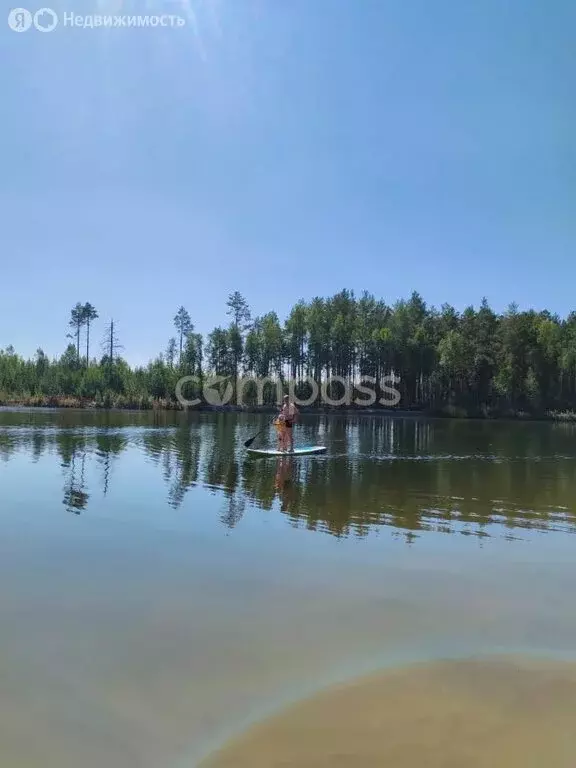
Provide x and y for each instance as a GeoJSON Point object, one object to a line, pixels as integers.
{"type": "Point", "coordinates": [414, 476]}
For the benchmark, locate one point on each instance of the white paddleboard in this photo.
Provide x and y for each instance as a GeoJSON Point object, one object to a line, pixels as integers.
{"type": "Point", "coordinates": [296, 452]}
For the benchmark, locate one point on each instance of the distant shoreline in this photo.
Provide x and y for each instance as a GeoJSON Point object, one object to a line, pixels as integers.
{"type": "Point", "coordinates": [65, 403]}
{"type": "Point", "coordinates": [73, 404]}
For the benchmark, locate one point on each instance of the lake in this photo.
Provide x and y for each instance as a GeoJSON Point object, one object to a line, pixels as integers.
{"type": "Point", "coordinates": [161, 590]}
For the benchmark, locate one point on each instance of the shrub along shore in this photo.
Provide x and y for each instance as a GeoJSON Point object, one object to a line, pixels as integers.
{"type": "Point", "coordinates": [151, 404]}
{"type": "Point", "coordinates": [471, 364]}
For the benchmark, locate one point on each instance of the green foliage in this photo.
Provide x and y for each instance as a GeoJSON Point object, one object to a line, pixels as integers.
{"type": "Point", "coordinates": [170, 355]}
{"type": "Point", "coordinates": [88, 315]}
{"type": "Point", "coordinates": [75, 323]}
{"type": "Point", "coordinates": [183, 325]}
{"type": "Point", "coordinates": [474, 362]}
{"type": "Point", "coordinates": [239, 310]}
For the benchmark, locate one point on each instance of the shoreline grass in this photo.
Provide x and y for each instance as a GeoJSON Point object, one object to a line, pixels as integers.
{"type": "Point", "coordinates": [147, 403]}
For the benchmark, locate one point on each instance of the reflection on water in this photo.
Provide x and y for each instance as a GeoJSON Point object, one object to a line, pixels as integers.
{"type": "Point", "coordinates": [472, 478]}
{"type": "Point", "coordinates": [161, 589]}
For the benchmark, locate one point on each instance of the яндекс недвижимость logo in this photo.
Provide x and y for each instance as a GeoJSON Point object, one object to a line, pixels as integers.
{"type": "Point", "coordinates": [46, 20]}
{"type": "Point", "coordinates": [21, 20]}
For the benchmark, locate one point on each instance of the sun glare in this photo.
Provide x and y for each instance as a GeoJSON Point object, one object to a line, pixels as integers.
{"type": "Point", "coordinates": [202, 16]}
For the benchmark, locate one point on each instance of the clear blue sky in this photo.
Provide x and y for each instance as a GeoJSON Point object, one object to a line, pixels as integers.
{"type": "Point", "coordinates": [285, 149]}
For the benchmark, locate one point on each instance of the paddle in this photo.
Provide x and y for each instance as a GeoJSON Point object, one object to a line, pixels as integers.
{"type": "Point", "coordinates": [249, 442]}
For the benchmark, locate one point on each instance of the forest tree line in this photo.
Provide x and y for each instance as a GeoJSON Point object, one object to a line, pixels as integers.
{"type": "Point", "coordinates": [475, 362]}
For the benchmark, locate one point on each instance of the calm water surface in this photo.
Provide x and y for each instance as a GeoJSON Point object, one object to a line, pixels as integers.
{"type": "Point", "coordinates": [160, 589]}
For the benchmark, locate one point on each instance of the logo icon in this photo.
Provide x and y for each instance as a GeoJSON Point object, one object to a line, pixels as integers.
{"type": "Point", "coordinates": [19, 20]}
{"type": "Point", "coordinates": [212, 391]}
{"type": "Point", "coordinates": [45, 20]}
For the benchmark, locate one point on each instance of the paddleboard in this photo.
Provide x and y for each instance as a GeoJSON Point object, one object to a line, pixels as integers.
{"type": "Point", "coordinates": [296, 452]}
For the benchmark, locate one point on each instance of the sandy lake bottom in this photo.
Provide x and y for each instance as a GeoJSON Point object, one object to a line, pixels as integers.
{"type": "Point", "coordinates": [479, 713]}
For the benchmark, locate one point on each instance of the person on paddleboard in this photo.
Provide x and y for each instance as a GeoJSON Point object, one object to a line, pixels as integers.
{"type": "Point", "coordinates": [287, 417]}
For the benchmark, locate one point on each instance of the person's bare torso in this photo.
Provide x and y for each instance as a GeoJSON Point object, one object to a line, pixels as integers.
{"type": "Point", "coordinates": [289, 411]}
